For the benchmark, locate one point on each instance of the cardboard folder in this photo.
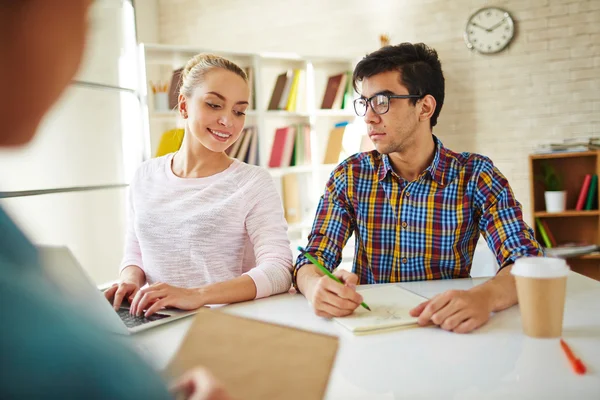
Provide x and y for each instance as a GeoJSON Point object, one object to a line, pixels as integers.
{"type": "Point", "coordinates": [257, 360]}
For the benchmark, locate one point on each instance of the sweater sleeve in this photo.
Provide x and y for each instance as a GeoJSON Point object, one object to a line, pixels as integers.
{"type": "Point", "coordinates": [132, 254]}
{"type": "Point", "coordinates": [267, 230]}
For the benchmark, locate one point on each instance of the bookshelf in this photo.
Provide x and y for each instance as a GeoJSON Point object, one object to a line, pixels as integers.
{"type": "Point", "coordinates": [157, 62]}
{"type": "Point", "coordinates": [571, 225]}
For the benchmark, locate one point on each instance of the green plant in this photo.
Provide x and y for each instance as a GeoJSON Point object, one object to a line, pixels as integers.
{"type": "Point", "coordinates": [550, 178]}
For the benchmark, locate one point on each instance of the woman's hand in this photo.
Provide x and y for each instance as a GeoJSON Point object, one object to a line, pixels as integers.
{"type": "Point", "coordinates": [161, 295]}
{"type": "Point", "coordinates": [119, 291]}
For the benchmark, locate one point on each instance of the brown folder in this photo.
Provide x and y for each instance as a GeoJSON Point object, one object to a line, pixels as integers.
{"type": "Point", "coordinates": [257, 360]}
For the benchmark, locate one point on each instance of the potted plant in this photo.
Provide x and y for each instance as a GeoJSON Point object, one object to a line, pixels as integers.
{"type": "Point", "coordinates": [555, 196]}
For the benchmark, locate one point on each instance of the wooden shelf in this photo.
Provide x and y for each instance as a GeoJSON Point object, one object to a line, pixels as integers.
{"type": "Point", "coordinates": [564, 154]}
{"type": "Point", "coordinates": [568, 213]}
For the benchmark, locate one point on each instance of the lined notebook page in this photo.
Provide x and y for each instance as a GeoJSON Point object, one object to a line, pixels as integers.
{"type": "Point", "coordinates": [390, 306]}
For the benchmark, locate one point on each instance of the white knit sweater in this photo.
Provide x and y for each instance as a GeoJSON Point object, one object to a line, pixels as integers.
{"type": "Point", "coordinates": [190, 232]}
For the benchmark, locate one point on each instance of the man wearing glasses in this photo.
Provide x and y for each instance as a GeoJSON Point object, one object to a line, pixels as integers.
{"type": "Point", "coordinates": [415, 207]}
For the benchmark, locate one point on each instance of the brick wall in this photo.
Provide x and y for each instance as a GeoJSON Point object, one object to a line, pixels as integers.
{"type": "Point", "coordinates": [545, 86]}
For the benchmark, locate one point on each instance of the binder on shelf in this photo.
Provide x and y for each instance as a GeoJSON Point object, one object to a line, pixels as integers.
{"type": "Point", "coordinates": [581, 200]}
{"type": "Point", "coordinates": [592, 193]}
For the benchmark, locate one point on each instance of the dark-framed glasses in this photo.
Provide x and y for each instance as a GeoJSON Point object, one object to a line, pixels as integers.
{"type": "Point", "coordinates": [380, 103]}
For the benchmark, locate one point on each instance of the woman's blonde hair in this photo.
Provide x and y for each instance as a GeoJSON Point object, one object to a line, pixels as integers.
{"type": "Point", "coordinates": [198, 66]}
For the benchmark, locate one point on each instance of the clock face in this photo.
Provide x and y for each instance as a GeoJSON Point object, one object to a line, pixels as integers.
{"type": "Point", "coordinates": [489, 30]}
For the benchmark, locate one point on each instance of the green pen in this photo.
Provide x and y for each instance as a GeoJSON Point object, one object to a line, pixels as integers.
{"type": "Point", "coordinates": [325, 271]}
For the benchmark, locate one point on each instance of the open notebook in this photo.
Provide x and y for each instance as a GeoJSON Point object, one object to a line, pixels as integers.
{"type": "Point", "coordinates": [389, 309]}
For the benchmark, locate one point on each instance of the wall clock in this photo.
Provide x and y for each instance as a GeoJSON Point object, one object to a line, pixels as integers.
{"type": "Point", "coordinates": [489, 30]}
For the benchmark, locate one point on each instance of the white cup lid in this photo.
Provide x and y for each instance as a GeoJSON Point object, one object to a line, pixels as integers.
{"type": "Point", "coordinates": [540, 267]}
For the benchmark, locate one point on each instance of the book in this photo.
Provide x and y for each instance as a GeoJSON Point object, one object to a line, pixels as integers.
{"type": "Point", "coordinates": [390, 306]}
{"type": "Point", "coordinates": [331, 91]}
{"type": "Point", "coordinates": [282, 148]}
{"type": "Point", "coordinates": [334, 145]}
{"type": "Point", "coordinates": [291, 198]}
{"type": "Point", "coordinates": [292, 98]}
{"type": "Point", "coordinates": [174, 88]}
{"type": "Point", "coordinates": [549, 233]}
{"type": "Point", "coordinates": [583, 192]}
{"type": "Point", "coordinates": [246, 137]}
{"type": "Point", "coordinates": [278, 91]}
{"type": "Point", "coordinates": [285, 95]}
{"type": "Point", "coordinates": [571, 250]}
{"type": "Point", "coordinates": [250, 74]}
{"type": "Point", "coordinates": [543, 233]}
{"type": "Point", "coordinates": [591, 196]}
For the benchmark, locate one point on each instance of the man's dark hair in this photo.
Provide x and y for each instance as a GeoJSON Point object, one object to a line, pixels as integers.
{"type": "Point", "coordinates": [419, 66]}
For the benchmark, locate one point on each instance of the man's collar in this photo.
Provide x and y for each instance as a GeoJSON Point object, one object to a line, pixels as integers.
{"type": "Point", "coordinates": [435, 169]}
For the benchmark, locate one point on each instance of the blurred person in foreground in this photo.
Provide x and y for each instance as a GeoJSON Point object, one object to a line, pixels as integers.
{"type": "Point", "coordinates": [48, 349]}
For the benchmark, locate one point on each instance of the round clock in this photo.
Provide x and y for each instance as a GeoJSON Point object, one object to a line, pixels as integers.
{"type": "Point", "coordinates": [489, 30]}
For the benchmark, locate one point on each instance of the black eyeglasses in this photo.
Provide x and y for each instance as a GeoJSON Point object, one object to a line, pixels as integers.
{"type": "Point", "coordinates": [380, 103]}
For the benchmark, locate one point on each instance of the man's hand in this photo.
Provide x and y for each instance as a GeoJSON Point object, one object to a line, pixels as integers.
{"type": "Point", "coordinates": [199, 384]}
{"type": "Point", "coordinates": [459, 311]}
{"type": "Point", "coordinates": [161, 295]}
{"type": "Point", "coordinates": [332, 299]}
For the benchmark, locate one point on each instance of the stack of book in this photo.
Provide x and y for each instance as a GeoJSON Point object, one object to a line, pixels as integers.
{"type": "Point", "coordinates": [288, 91]}
{"type": "Point", "coordinates": [563, 250]}
{"type": "Point", "coordinates": [291, 146]}
{"type": "Point", "coordinates": [339, 92]}
{"type": "Point", "coordinates": [570, 145]}
{"type": "Point", "coordinates": [246, 147]}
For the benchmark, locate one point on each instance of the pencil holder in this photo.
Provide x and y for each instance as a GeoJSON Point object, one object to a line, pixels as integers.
{"type": "Point", "coordinates": [161, 101]}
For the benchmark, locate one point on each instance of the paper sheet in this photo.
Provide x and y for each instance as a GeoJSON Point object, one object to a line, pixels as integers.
{"type": "Point", "coordinates": [390, 306]}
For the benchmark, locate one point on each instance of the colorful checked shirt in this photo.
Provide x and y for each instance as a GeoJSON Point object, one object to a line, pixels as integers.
{"type": "Point", "coordinates": [421, 229]}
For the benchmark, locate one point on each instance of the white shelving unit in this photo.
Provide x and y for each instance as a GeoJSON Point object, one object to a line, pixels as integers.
{"type": "Point", "coordinates": [158, 61]}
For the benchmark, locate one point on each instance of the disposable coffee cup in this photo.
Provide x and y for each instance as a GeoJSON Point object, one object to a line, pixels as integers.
{"type": "Point", "coordinates": [541, 288]}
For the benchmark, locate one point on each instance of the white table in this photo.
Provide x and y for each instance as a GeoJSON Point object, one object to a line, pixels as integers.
{"type": "Point", "coordinates": [497, 361]}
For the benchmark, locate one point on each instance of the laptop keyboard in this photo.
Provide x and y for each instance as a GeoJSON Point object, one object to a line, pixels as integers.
{"type": "Point", "coordinates": [131, 321]}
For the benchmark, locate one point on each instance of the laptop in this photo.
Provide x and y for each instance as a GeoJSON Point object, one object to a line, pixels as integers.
{"type": "Point", "coordinates": [63, 269]}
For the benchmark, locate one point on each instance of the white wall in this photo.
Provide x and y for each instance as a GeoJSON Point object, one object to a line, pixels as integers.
{"type": "Point", "coordinates": [545, 86]}
{"type": "Point", "coordinates": [91, 137]}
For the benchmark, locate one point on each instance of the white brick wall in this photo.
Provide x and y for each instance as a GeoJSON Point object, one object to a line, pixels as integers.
{"type": "Point", "coordinates": [546, 86]}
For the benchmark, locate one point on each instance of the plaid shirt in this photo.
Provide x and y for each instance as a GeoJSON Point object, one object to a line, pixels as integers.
{"type": "Point", "coordinates": [423, 229]}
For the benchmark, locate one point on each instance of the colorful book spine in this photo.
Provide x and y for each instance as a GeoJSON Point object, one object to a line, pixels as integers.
{"type": "Point", "coordinates": [583, 192]}
{"type": "Point", "coordinates": [543, 233]}
{"type": "Point", "coordinates": [592, 193]}
{"type": "Point", "coordinates": [549, 233]}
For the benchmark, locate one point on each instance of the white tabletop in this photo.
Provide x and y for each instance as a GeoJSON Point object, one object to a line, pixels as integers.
{"type": "Point", "coordinates": [496, 361]}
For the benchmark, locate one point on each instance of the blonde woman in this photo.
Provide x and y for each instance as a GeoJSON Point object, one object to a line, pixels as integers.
{"type": "Point", "coordinates": [204, 228]}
